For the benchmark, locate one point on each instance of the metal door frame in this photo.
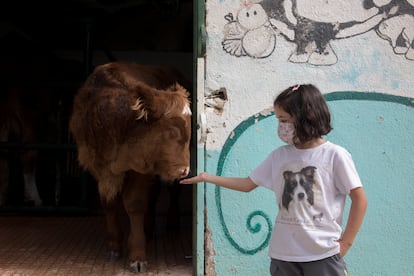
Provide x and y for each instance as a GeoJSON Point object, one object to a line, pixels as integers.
{"type": "Point", "coordinates": [198, 145]}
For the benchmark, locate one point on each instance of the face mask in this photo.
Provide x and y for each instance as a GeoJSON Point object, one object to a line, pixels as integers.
{"type": "Point", "coordinates": [286, 132]}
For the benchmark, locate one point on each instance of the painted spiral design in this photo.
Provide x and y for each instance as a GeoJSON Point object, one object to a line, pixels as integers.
{"type": "Point", "coordinates": [252, 228]}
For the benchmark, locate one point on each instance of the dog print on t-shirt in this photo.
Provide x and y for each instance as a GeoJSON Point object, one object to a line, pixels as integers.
{"type": "Point", "coordinates": [300, 202]}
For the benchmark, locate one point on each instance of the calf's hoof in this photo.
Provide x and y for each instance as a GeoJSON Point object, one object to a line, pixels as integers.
{"type": "Point", "coordinates": [138, 267]}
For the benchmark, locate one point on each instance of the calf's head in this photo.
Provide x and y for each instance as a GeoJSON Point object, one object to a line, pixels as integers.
{"type": "Point", "coordinates": [160, 142]}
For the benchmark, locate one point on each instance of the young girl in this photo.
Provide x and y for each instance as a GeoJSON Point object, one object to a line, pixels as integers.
{"type": "Point", "coordinates": [311, 178]}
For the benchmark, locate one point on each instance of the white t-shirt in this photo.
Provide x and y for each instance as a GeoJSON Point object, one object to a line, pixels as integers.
{"type": "Point", "coordinates": [311, 187]}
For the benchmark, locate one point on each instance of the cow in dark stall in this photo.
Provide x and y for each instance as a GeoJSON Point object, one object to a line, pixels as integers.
{"type": "Point", "coordinates": [20, 122]}
{"type": "Point", "coordinates": [30, 100]}
{"type": "Point", "coordinates": [132, 125]}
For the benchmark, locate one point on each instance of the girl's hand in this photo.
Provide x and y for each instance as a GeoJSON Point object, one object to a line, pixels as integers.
{"type": "Point", "coordinates": [344, 246]}
{"type": "Point", "coordinates": [195, 179]}
{"type": "Point", "coordinates": [355, 217]}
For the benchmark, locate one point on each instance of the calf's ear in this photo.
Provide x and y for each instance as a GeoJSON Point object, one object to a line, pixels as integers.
{"type": "Point", "coordinates": [151, 104]}
{"type": "Point", "coordinates": [139, 108]}
{"type": "Point", "coordinates": [147, 105]}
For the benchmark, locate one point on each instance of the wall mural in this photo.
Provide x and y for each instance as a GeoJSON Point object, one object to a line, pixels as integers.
{"type": "Point", "coordinates": [312, 25]}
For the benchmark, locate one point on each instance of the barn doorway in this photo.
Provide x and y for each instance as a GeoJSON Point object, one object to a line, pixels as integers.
{"type": "Point", "coordinates": [47, 51]}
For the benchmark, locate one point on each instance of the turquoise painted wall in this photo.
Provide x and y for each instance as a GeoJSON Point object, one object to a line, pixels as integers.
{"type": "Point", "coordinates": [363, 62]}
{"type": "Point", "coordinates": [377, 130]}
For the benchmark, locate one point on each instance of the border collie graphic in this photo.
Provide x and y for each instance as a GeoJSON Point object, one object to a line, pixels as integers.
{"type": "Point", "coordinates": [298, 196]}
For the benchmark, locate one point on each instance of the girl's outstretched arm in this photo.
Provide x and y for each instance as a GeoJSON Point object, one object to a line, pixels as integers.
{"type": "Point", "coordinates": [355, 218]}
{"type": "Point", "coordinates": [234, 183]}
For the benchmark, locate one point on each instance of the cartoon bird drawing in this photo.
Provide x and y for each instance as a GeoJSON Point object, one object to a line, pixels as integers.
{"type": "Point", "coordinates": [250, 34]}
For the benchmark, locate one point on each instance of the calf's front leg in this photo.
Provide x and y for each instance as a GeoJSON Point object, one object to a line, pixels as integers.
{"type": "Point", "coordinates": [112, 210]}
{"type": "Point", "coordinates": [135, 197]}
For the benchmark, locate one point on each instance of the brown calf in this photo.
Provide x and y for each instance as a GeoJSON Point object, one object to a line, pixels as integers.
{"type": "Point", "coordinates": [131, 123]}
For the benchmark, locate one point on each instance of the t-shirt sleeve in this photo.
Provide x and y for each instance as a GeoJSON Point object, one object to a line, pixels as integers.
{"type": "Point", "coordinates": [345, 174]}
{"type": "Point", "coordinates": [262, 175]}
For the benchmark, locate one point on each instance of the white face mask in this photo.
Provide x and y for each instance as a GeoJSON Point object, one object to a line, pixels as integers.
{"type": "Point", "coordinates": [286, 132]}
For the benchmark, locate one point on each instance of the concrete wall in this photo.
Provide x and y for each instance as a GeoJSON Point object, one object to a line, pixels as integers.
{"type": "Point", "coordinates": [360, 54]}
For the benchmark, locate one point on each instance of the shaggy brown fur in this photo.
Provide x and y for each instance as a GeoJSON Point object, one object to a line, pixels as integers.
{"type": "Point", "coordinates": [122, 121]}
{"type": "Point", "coordinates": [131, 122]}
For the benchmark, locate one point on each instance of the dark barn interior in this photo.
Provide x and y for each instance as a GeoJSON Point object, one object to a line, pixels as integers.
{"type": "Point", "coordinates": [48, 48]}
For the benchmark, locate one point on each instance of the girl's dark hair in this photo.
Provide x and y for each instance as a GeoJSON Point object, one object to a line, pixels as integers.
{"type": "Point", "coordinates": [308, 108]}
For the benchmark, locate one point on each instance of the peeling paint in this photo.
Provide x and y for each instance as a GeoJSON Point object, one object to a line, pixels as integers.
{"type": "Point", "coordinates": [209, 253]}
{"type": "Point", "coordinates": [216, 100]}
{"type": "Point", "coordinates": [266, 112]}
